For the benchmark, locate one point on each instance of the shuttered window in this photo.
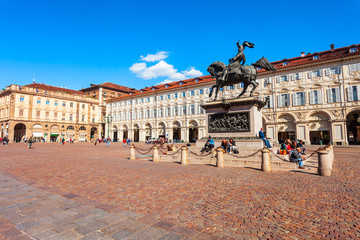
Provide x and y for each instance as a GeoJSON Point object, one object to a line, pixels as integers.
{"type": "Point", "coordinates": [333, 95]}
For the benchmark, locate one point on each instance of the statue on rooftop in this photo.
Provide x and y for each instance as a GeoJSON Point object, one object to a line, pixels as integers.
{"type": "Point", "coordinates": [237, 72]}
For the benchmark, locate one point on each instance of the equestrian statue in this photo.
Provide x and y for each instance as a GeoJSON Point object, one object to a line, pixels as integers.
{"type": "Point", "coordinates": [237, 72]}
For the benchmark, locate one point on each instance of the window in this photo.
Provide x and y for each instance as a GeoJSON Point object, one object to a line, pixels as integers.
{"type": "Point", "coordinates": [64, 104]}
{"type": "Point", "coordinates": [298, 76]}
{"type": "Point", "coordinates": [168, 112]}
{"type": "Point", "coordinates": [184, 94]}
{"type": "Point", "coordinates": [221, 89]}
{"type": "Point", "coordinates": [192, 109]}
{"type": "Point", "coordinates": [142, 100]}
{"type": "Point", "coordinates": [270, 104]}
{"type": "Point", "coordinates": [38, 101]}
{"type": "Point", "coordinates": [231, 87]}
{"type": "Point", "coordinates": [70, 128]}
{"type": "Point", "coordinates": [285, 63]}
{"type": "Point", "coordinates": [63, 116]}
{"type": "Point", "coordinates": [184, 110]}
{"type": "Point", "coordinates": [192, 93]}
{"type": "Point", "coordinates": [83, 106]}
{"type": "Point", "coordinates": [21, 112]}
{"type": "Point", "coordinates": [47, 102]}
{"type": "Point", "coordinates": [181, 83]}
{"type": "Point", "coordinates": [82, 128]}
{"type": "Point", "coordinates": [22, 99]}
{"type": "Point", "coordinates": [70, 117]}
{"type": "Point", "coordinates": [46, 115]}
{"type": "Point", "coordinates": [175, 95]}
{"type": "Point", "coordinates": [283, 78]}
{"type": "Point", "coordinates": [283, 100]}
{"type": "Point", "coordinates": [93, 108]}
{"type": "Point", "coordinates": [316, 73]}
{"type": "Point", "coordinates": [56, 103]}
{"type": "Point", "coordinates": [355, 67]}
{"type": "Point", "coordinates": [352, 50]}
{"type": "Point", "coordinates": [333, 95]}
{"type": "Point", "coordinates": [71, 104]}
{"type": "Point", "coordinates": [315, 96]}
{"type": "Point", "coordinates": [83, 118]}
{"type": "Point", "coordinates": [354, 93]}
{"type": "Point", "coordinates": [161, 97]}
{"type": "Point", "coordinates": [55, 115]}
{"type": "Point", "coordinates": [176, 111]}
{"type": "Point", "coordinates": [299, 98]}
{"type": "Point", "coordinates": [315, 57]}
{"type": "Point", "coordinates": [38, 114]}
{"type": "Point", "coordinates": [168, 96]}
{"type": "Point", "coordinates": [201, 91]}
{"type": "Point", "coordinates": [201, 110]}
{"type": "Point", "coordinates": [93, 119]}
{"type": "Point", "coordinates": [161, 112]}
{"type": "Point", "coordinates": [148, 99]}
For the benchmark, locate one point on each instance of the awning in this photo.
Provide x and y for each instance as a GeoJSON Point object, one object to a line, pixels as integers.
{"type": "Point", "coordinates": [54, 134]}
{"type": "Point", "coordinates": [37, 134]}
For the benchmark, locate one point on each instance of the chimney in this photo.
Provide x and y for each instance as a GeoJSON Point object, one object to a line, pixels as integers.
{"type": "Point", "coordinates": [302, 54]}
{"type": "Point", "coordinates": [332, 47]}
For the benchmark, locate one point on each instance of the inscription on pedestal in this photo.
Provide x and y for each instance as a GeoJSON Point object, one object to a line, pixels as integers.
{"type": "Point", "coordinates": [229, 122]}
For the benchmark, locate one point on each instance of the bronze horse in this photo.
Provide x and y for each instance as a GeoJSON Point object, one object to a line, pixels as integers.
{"type": "Point", "coordinates": [236, 73]}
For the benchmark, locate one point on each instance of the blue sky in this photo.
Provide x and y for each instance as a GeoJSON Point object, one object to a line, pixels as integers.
{"type": "Point", "coordinates": [75, 43]}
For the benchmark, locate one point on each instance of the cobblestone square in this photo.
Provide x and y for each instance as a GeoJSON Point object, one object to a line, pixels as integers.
{"type": "Point", "coordinates": [94, 192]}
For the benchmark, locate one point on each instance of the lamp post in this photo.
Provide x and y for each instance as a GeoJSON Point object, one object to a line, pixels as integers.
{"type": "Point", "coordinates": [109, 120]}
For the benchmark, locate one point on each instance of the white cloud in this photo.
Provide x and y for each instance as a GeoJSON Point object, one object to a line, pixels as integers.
{"type": "Point", "coordinates": [162, 69]}
{"type": "Point", "coordinates": [164, 82]}
{"type": "Point", "coordinates": [155, 57]}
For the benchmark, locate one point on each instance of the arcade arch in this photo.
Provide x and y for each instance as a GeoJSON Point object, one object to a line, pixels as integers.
{"type": "Point", "coordinates": [353, 126]}
{"type": "Point", "coordinates": [136, 132]}
{"type": "Point", "coordinates": [19, 132]}
{"type": "Point", "coordinates": [176, 131]}
{"type": "Point", "coordinates": [193, 131]}
{"type": "Point", "coordinates": [286, 128]}
{"type": "Point", "coordinates": [319, 127]}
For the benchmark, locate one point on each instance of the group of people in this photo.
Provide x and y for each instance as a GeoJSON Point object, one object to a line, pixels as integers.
{"type": "Point", "coordinates": [296, 151]}
{"type": "Point", "coordinates": [126, 141]}
{"type": "Point", "coordinates": [227, 146]}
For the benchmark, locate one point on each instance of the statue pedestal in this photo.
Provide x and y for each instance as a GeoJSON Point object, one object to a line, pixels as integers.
{"type": "Point", "coordinates": [239, 118]}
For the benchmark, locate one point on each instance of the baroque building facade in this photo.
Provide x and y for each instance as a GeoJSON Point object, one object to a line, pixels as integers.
{"type": "Point", "coordinates": [314, 97]}
{"type": "Point", "coordinates": [47, 113]}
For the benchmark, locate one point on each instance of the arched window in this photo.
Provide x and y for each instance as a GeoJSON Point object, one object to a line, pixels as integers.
{"type": "Point", "coordinates": [82, 128]}
{"type": "Point", "coordinates": [70, 128]}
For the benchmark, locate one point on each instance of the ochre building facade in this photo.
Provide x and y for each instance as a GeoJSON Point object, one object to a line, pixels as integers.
{"type": "Point", "coordinates": [47, 113]}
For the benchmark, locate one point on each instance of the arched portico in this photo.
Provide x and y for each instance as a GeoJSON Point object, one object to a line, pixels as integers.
{"type": "Point", "coordinates": [193, 131]}
{"type": "Point", "coordinates": [19, 132]}
{"type": "Point", "coordinates": [136, 132]}
{"type": "Point", "coordinates": [319, 128]}
{"type": "Point", "coordinates": [176, 131]}
{"type": "Point", "coordinates": [286, 128]}
{"type": "Point", "coordinates": [353, 126]}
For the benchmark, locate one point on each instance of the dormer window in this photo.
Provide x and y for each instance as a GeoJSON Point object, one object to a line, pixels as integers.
{"type": "Point", "coordinates": [352, 50]}
{"type": "Point", "coordinates": [141, 91]}
{"type": "Point", "coordinates": [258, 68]}
{"type": "Point", "coordinates": [196, 80]}
{"type": "Point", "coordinates": [153, 89]}
{"type": "Point", "coordinates": [285, 63]}
{"type": "Point", "coordinates": [181, 83]}
{"type": "Point", "coordinates": [315, 57]}
{"type": "Point", "coordinates": [166, 86]}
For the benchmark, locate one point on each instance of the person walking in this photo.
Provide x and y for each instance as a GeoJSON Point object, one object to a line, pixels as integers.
{"type": "Point", "coordinates": [124, 142]}
{"type": "Point", "coordinates": [108, 142]}
{"type": "Point", "coordinates": [30, 141]}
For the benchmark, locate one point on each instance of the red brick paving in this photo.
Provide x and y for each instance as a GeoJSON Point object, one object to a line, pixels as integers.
{"type": "Point", "coordinates": [229, 203]}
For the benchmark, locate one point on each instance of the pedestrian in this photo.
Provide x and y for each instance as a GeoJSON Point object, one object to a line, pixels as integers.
{"type": "Point", "coordinates": [96, 142]}
{"type": "Point", "coordinates": [30, 141]}
{"type": "Point", "coordinates": [63, 141]}
{"type": "Point", "coordinates": [124, 141]}
{"type": "Point", "coordinates": [301, 145]}
{"type": "Point", "coordinates": [108, 142]}
{"type": "Point", "coordinates": [262, 137]}
{"type": "Point", "coordinates": [209, 145]}
{"type": "Point", "coordinates": [296, 156]}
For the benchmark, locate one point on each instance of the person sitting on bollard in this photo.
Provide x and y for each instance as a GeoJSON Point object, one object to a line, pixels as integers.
{"type": "Point", "coordinates": [209, 145]}
{"type": "Point", "coordinates": [296, 156]}
{"type": "Point", "coordinates": [224, 145]}
{"type": "Point", "coordinates": [262, 137]}
{"type": "Point", "coordinates": [232, 147]}
{"type": "Point", "coordinates": [301, 145]}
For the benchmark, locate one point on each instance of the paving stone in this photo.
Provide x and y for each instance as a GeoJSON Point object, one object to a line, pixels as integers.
{"type": "Point", "coordinates": [171, 236]}
{"type": "Point", "coordinates": [121, 234]}
{"type": "Point", "coordinates": [147, 233]}
{"type": "Point", "coordinates": [93, 236]}
{"type": "Point", "coordinates": [91, 227]}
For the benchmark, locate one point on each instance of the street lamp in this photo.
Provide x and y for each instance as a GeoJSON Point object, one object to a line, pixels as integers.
{"type": "Point", "coordinates": [109, 120]}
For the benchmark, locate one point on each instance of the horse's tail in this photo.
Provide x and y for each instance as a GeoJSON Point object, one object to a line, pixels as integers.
{"type": "Point", "coordinates": [264, 63]}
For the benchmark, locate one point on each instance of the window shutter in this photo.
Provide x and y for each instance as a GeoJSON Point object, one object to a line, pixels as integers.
{"type": "Point", "coordinates": [337, 93]}
{"type": "Point", "coordinates": [339, 70]}
{"type": "Point", "coordinates": [309, 75]}
{"type": "Point", "coordinates": [319, 93]}
{"type": "Point", "coordinates": [311, 96]}
{"type": "Point", "coordinates": [329, 95]}
{"type": "Point", "coordinates": [277, 79]}
{"type": "Point", "coordinates": [320, 72]}
{"type": "Point", "coordinates": [327, 72]}
{"type": "Point", "coordinates": [271, 100]}
{"type": "Point", "coordinates": [358, 93]}
{"type": "Point", "coordinates": [279, 101]}
{"type": "Point", "coordinates": [270, 79]}
{"type": "Point", "coordinates": [350, 93]}
{"type": "Point", "coordinates": [291, 77]}
{"type": "Point", "coordinates": [294, 99]}
{"type": "Point", "coordinates": [288, 100]}
{"type": "Point", "coordinates": [300, 76]}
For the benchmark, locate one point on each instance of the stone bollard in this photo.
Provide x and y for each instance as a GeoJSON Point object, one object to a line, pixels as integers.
{"type": "Point", "coordinates": [220, 158]}
{"type": "Point", "coordinates": [156, 157]}
{"type": "Point", "coordinates": [265, 163]}
{"type": "Point", "coordinates": [184, 160]}
{"type": "Point", "coordinates": [132, 152]}
{"type": "Point", "coordinates": [324, 161]}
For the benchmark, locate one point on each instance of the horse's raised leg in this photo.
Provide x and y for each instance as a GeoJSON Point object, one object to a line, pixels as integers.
{"type": "Point", "coordinates": [216, 93]}
{"type": "Point", "coordinates": [244, 90]}
{"type": "Point", "coordinates": [254, 86]}
{"type": "Point", "coordinates": [211, 90]}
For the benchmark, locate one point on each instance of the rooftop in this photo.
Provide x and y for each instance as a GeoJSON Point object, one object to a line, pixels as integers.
{"type": "Point", "coordinates": [53, 89]}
